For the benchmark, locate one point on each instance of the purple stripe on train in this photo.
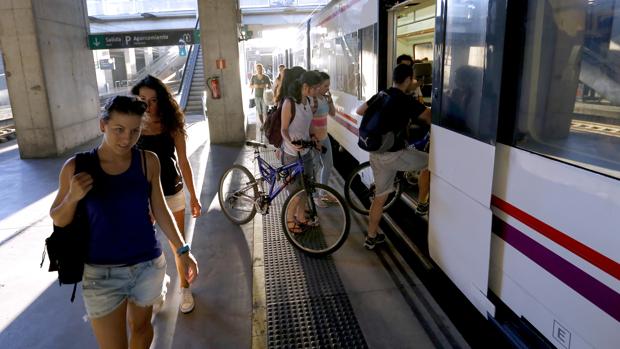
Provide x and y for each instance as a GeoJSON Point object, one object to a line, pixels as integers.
{"type": "Point", "coordinates": [344, 123]}
{"type": "Point", "coordinates": [590, 288]}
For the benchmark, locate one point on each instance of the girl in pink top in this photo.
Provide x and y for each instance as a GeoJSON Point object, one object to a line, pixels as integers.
{"type": "Point", "coordinates": [323, 105]}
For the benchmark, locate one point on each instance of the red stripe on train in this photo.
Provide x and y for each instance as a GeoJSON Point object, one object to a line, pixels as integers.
{"type": "Point", "coordinates": [592, 256]}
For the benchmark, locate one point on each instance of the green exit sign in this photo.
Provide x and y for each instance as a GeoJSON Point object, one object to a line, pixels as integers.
{"type": "Point", "coordinates": [143, 39]}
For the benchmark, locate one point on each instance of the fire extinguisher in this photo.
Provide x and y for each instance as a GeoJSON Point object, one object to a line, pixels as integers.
{"type": "Point", "coordinates": [213, 84]}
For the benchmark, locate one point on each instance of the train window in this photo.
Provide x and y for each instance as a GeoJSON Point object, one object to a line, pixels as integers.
{"type": "Point", "coordinates": [369, 62]}
{"type": "Point", "coordinates": [424, 50]}
{"type": "Point", "coordinates": [346, 61]}
{"type": "Point", "coordinates": [463, 79]}
{"type": "Point", "coordinates": [568, 103]}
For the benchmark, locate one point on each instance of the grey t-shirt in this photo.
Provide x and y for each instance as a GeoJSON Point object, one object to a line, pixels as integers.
{"type": "Point", "coordinates": [258, 92]}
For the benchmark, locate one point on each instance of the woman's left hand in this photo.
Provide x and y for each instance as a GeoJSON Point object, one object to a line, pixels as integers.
{"type": "Point", "coordinates": [196, 208]}
{"type": "Point", "coordinates": [190, 266]}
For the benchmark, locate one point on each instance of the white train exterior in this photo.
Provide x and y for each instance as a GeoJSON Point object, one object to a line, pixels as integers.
{"type": "Point", "coordinates": [525, 146]}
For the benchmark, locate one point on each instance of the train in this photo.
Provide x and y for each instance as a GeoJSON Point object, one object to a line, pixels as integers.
{"type": "Point", "coordinates": [525, 145]}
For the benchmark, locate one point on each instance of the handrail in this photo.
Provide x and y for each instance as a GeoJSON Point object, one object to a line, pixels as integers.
{"type": "Point", "coordinates": [189, 54]}
{"type": "Point", "coordinates": [186, 83]}
{"type": "Point", "coordinates": [190, 64]}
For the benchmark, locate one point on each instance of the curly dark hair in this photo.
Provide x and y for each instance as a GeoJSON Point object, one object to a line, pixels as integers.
{"type": "Point", "coordinates": [172, 118]}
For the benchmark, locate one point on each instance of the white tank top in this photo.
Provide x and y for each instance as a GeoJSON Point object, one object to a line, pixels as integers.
{"type": "Point", "coordinates": [299, 128]}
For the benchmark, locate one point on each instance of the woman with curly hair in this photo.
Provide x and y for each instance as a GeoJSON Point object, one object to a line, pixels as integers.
{"type": "Point", "coordinates": [164, 133]}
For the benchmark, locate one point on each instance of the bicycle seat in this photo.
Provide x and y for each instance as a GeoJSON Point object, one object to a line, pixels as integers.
{"type": "Point", "coordinates": [255, 144]}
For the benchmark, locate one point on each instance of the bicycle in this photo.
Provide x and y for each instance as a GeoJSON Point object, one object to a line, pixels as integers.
{"type": "Point", "coordinates": [324, 229]}
{"type": "Point", "coordinates": [359, 188]}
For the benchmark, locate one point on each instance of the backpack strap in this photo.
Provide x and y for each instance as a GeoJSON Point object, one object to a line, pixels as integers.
{"type": "Point", "coordinates": [293, 109]}
{"type": "Point", "coordinates": [73, 293]}
{"type": "Point", "coordinates": [314, 107]}
{"type": "Point", "coordinates": [146, 171]}
{"type": "Point", "coordinates": [144, 168]}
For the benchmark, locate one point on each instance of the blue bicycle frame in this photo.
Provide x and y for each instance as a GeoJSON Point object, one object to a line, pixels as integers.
{"type": "Point", "coordinates": [271, 174]}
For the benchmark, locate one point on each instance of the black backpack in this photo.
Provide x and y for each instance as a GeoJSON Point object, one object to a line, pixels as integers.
{"type": "Point", "coordinates": [273, 123]}
{"type": "Point", "coordinates": [67, 247]}
{"type": "Point", "coordinates": [372, 133]}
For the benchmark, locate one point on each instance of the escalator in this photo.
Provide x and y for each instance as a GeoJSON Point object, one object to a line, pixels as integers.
{"type": "Point", "coordinates": [193, 84]}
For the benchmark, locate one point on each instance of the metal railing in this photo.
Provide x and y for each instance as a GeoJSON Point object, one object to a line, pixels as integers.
{"type": "Point", "coordinates": [188, 71]}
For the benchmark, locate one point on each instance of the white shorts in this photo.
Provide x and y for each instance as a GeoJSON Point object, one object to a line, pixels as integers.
{"type": "Point", "coordinates": [176, 202]}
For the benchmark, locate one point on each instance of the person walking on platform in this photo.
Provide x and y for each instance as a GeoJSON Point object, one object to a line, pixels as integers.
{"type": "Point", "coordinates": [297, 127]}
{"type": "Point", "coordinates": [125, 267]}
{"type": "Point", "coordinates": [259, 82]}
{"type": "Point", "coordinates": [400, 109]}
{"type": "Point", "coordinates": [323, 105]}
{"type": "Point", "coordinates": [164, 134]}
{"type": "Point", "coordinates": [277, 83]}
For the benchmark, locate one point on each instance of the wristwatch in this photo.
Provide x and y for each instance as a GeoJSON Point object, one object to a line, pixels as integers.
{"type": "Point", "coordinates": [183, 250]}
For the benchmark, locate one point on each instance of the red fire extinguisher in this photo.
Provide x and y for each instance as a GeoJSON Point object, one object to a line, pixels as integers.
{"type": "Point", "coordinates": [214, 86]}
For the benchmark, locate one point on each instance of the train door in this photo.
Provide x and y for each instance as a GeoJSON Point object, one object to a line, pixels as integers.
{"type": "Point", "coordinates": [466, 83]}
{"type": "Point", "coordinates": [413, 33]}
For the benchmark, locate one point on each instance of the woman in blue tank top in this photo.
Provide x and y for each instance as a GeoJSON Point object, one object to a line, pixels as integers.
{"type": "Point", "coordinates": [164, 134]}
{"type": "Point", "coordinates": [125, 268]}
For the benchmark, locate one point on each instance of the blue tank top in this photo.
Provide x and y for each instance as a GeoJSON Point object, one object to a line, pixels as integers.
{"type": "Point", "coordinates": [118, 213]}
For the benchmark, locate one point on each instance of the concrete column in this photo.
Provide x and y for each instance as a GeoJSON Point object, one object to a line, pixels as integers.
{"type": "Point", "coordinates": [50, 74]}
{"type": "Point", "coordinates": [219, 39]}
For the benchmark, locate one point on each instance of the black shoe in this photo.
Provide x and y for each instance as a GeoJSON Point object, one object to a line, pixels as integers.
{"type": "Point", "coordinates": [370, 243]}
{"type": "Point", "coordinates": [422, 209]}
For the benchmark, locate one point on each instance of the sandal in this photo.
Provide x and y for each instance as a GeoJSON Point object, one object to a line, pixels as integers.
{"type": "Point", "coordinates": [294, 227]}
{"type": "Point", "coordinates": [307, 223]}
{"type": "Point", "coordinates": [329, 199]}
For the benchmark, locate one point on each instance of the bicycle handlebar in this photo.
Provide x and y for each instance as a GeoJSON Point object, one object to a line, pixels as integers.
{"type": "Point", "coordinates": [308, 144]}
{"type": "Point", "coordinates": [255, 144]}
{"type": "Point", "coordinates": [304, 144]}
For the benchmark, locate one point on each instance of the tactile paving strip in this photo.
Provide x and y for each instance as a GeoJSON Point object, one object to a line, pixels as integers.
{"type": "Point", "coordinates": [307, 305]}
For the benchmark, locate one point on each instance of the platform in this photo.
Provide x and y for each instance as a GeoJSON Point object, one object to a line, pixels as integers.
{"type": "Point", "coordinates": [254, 289]}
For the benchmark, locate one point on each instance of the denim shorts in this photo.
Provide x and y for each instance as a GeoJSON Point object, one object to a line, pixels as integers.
{"type": "Point", "coordinates": [105, 287]}
{"type": "Point", "coordinates": [385, 165]}
{"type": "Point", "coordinates": [176, 202]}
{"type": "Point", "coordinates": [308, 168]}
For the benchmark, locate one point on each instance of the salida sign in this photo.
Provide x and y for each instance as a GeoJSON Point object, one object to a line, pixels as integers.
{"type": "Point", "coordinates": [142, 39]}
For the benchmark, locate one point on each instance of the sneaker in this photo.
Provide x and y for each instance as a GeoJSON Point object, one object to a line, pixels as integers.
{"type": "Point", "coordinates": [422, 209]}
{"type": "Point", "coordinates": [370, 243]}
{"type": "Point", "coordinates": [187, 301]}
{"type": "Point", "coordinates": [157, 307]}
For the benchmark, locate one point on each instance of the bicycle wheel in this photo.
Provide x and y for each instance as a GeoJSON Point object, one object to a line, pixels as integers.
{"type": "Point", "coordinates": [359, 189]}
{"type": "Point", "coordinates": [328, 220]}
{"type": "Point", "coordinates": [238, 192]}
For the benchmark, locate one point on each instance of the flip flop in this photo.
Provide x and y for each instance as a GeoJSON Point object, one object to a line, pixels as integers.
{"type": "Point", "coordinates": [294, 227]}
{"type": "Point", "coordinates": [307, 224]}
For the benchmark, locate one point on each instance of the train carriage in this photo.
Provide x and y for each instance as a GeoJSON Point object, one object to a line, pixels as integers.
{"type": "Point", "coordinates": [525, 146]}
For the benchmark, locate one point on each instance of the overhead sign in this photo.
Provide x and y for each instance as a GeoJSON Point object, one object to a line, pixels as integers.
{"type": "Point", "coordinates": [143, 39]}
{"type": "Point", "coordinates": [106, 64]}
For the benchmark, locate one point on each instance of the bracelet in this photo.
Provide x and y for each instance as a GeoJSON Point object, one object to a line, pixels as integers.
{"type": "Point", "coordinates": [183, 250]}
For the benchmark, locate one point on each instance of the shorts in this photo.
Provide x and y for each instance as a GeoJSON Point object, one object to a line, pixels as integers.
{"type": "Point", "coordinates": [385, 165]}
{"type": "Point", "coordinates": [261, 107]}
{"type": "Point", "coordinates": [104, 288]}
{"type": "Point", "coordinates": [176, 202]}
{"type": "Point", "coordinates": [308, 169]}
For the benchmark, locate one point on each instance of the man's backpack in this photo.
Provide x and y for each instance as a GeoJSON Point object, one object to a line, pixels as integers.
{"type": "Point", "coordinates": [372, 134]}
{"type": "Point", "coordinates": [273, 123]}
{"type": "Point", "coordinates": [67, 247]}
